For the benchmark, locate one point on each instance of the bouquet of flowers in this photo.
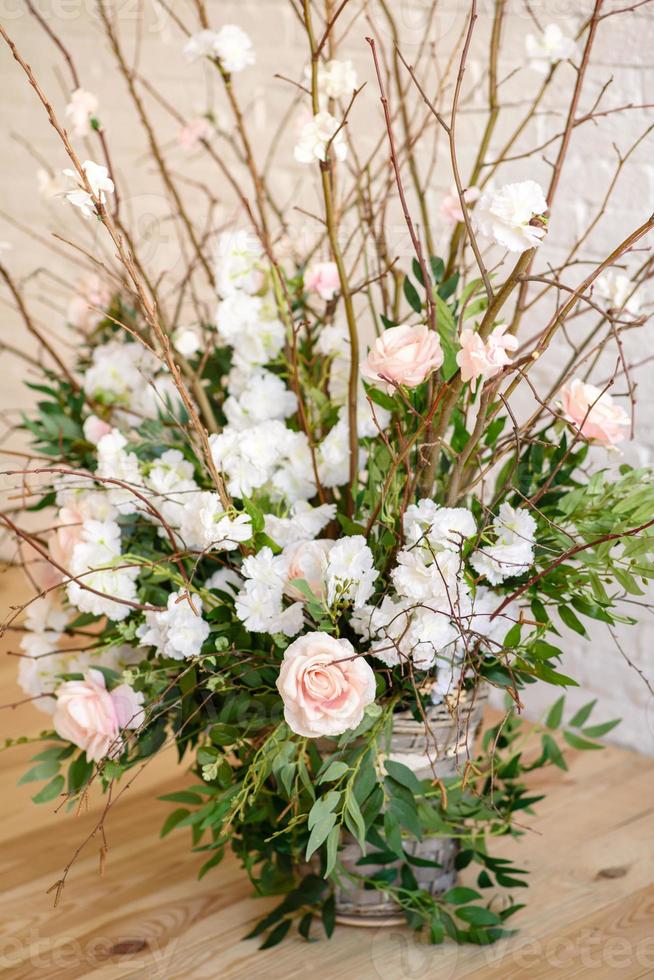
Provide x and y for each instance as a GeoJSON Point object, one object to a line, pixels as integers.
{"type": "Point", "coordinates": [306, 556]}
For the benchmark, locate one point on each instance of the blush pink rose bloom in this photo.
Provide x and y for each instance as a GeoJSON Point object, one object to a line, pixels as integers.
{"type": "Point", "coordinates": [403, 356]}
{"type": "Point", "coordinates": [451, 211]}
{"type": "Point", "coordinates": [308, 560]}
{"type": "Point", "coordinates": [322, 278]}
{"type": "Point", "coordinates": [594, 413]}
{"type": "Point", "coordinates": [91, 717]}
{"type": "Point", "coordinates": [324, 685]}
{"type": "Point", "coordinates": [484, 359]}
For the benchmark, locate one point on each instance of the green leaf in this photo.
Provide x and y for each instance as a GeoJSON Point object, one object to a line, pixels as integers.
{"type": "Point", "coordinates": [44, 770]}
{"type": "Point", "coordinates": [79, 773]}
{"type": "Point", "coordinates": [583, 714]}
{"type": "Point", "coordinates": [596, 731]}
{"type": "Point", "coordinates": [276, 935]}
{"type": "Point", "coordinates": [437, 267]}
{"type": "Point", "coordinates": [555, 714]}
{"type": "Point", "coordinates": [319, 832]}
{"type": "Point", "coordinates": [404, 776]}
{"type": "Point", "coordinates": [381, 398]}
{"type": "Point", "coordinates": [332, 850]}
{"type": "Point", "coordinates": [356, 824]}
{"type": "Point", "coordinates": [304, 926]}
{"type": "Point", "coordinates": [553, 752]}
{"type": "Point", "coordinates": [172, 820]}
{"type": "Point", "coordinates": [477, 915]}
{"type": "Point", "coordinates": [460, 895]}
{"type": "Point", "coordinates": [411, 295]}
{"type": "Point", "coordinates": [50, 790]}
{"type": "Point", "coordinates": [576, 742]}
{"type": "Point", "coordinates": [329, 915]}
{"type": "Point", "coordinates": [571, 621]}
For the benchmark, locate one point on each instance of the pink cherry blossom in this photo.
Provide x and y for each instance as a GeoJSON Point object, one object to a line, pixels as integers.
{"type": "Point", "coordinates": [451, 210]}
{"type": "Point", "coordinates": [594, 413]}
{"type": "Point", "coordinates": [322, 278]}
{"type": "Point", "coordinates": [193, 133]}
{"type": "Point", "coordinates": [484, 359]}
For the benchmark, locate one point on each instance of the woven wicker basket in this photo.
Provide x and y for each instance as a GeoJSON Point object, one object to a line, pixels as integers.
{"type": "Point", "coordinates": [450, 742]}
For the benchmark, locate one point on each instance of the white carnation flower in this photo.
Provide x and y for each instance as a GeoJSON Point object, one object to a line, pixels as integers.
{"type": "Point", "coordinates": [506, 215]}
{"type": "Point", "coordinates": [234, 48]}
{"type": "Point", "coordinates": [186, 341]}
{"type": "Point", "coordinates": [337, 79]}
{"type": "Point", "coordinates": [319, 133]}
{"type": "Point", "coordinates": [265, 397]}
{"type": "Point", "coordinates": [237, 260]}
{"type": "Point", "coordinates": [617, 289]}
{"type": "Point", "coordinates": [179, 631]}
{"type": "Point", "coordinates": [206, 527]}
{"type": "Point", "coordinates": [350, 574]}
{"type": "Point", "coordinates": [439, 527]}
{"type": "Point", "coordinates": [513, 552]}
{"type": "Point", "coordinates": [96, 562]}
{"type": "Point", "coordinates": [304, 523]}
{"type": "Point", "coordinates": [549, 47]}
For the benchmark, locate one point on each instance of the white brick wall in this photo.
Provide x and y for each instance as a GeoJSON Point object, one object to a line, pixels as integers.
{"type": "Point", "coordinates": [623, 51]}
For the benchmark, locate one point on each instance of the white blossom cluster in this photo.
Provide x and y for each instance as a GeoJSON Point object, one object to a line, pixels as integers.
{"type": "Point", "coordinates": [231, 45]}
{"type": "Point", "coordinates": [102, 578]}
{"type": "Point", "coordinates": [339, 574]}
{"type": "Point", "coordinates": [256, 450]}
{"type": "Point", "coordinates": [131, 380]}
{"type": "Point", "coordinates": [435, 615]}
{"type": "Point", "coordinates": [178, 631]}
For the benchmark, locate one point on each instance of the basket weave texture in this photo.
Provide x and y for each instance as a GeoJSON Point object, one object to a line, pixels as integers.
{"type": "Point", "coordinates": [440, 751]}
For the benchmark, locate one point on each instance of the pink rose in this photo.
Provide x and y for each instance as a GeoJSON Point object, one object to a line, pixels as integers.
{"type": "Point", "coordinates": [594, 414]}
{"type": "Point", "coordinates": [193, 132]}
{"type": "Point", "coordinates": [451, 210]}
{"type": "Point", "coordinates": [324, 685]}
{"type": "Point", "coordinates": [322, 278]}
{"type": "Point", "coordinates": [95, 428]}
{"type": "Point", "coordinates": [308, 560]}
{"type": "Point", "coordinates": [403, 356]}
{"type": "Point", "coordinates": [91, 717]}
{"type": "Point", "coordinates": [479, 359]}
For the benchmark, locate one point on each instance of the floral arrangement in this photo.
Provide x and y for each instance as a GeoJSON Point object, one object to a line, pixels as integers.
{"type": "Point", "coordinates": [296, 496]}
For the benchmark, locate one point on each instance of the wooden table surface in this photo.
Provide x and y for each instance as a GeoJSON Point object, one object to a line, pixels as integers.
{"type": "Point", "coordinates": [590, 906]}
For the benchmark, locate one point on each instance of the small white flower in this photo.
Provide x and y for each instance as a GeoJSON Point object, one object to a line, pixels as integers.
{"type": "Point", "coordinates": [264, 397]}
{"type": "Point", "coordinates": [617, 289]}
{"type": "Point", "coordinates": [506, 215]}
{"type": "Point", "coordinates": [100, 183]}
{"type": "Point", "coordinates": [237, 260]}
{"type": "Point", "coordinates": [319, 133]}
{"type": "Point", "coordinates": [439, 527]}
{"type": "Point", "coordinates": [234, 48]}
{"type": "Point", "coordinates": [186, 341]}
{"type": "Point", "coordinates": [350, 574]}
{"type": "Point", "coordinates": [96, 563]}
{"type": "Point", "coordinates": [177, 632]}
{"type": "Point", "coordinates": [200, 45]}
{"type": "Point", "coordinates": [513, 552]}
{"type": "Point", "coordinates": [548, 48]}
{"type": "Point", "coordinates": [304, 523]}
{"type": "Point", "coordinates": [206, 526]}
{"type": "Point", "coordinates": [80, 110]}
{"type": "Point", "coordinates": [337, 79]}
